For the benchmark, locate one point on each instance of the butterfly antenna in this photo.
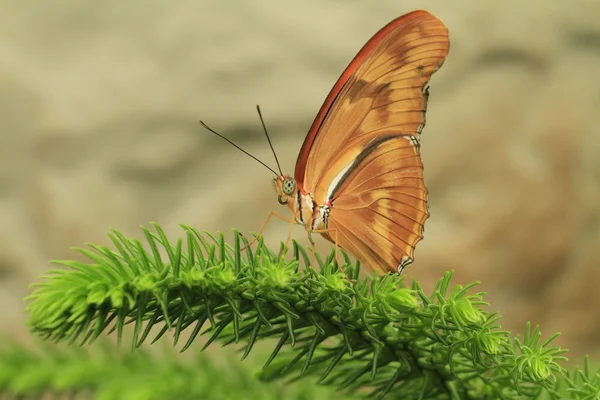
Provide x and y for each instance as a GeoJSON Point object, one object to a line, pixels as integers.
{"type": "Point", "coordinates": [237, 147]}
{"type": "Point", "coordinates": [269, 139]}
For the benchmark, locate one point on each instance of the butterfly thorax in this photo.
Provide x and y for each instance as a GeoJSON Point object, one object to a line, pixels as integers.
{"type": "Point", "coordinates": [302, 205]}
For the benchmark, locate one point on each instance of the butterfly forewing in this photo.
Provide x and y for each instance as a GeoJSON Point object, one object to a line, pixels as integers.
{"type": "Point", "coordinates": [380, 92]}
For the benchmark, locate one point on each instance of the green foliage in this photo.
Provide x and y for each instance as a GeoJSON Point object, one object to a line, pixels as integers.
{"type": "Point", "coordinates": [363, 335]}
{"type": "Point", "coordinates": [104, 373]}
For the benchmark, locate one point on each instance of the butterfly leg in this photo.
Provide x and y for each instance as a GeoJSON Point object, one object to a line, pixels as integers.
{"type": "Point", "coordinates": [312, 245]}
{"type": "Point", "coordinates": [264, 225]}
{"type": "Point", "coordinates": [289, 237]}
{"type": "Point", "coordinates": [312, 242]}
{"type": "Point", "coordinates": [335, 241]}
{"type": "Point", "coordinates": [313, 260]}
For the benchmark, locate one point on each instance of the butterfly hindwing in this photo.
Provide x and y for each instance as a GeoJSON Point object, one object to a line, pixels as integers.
{"type": "Point", "coordinates": [380, 209]}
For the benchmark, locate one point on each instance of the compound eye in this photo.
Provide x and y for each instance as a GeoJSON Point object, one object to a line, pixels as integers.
{"type": "Point", "coordinates": [281, 200]}
{"type": "Point", "coordinates": [289, 185]}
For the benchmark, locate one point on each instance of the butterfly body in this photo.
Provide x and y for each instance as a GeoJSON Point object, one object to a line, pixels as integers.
{"type": "Point", "coordinates": [359, 176]}
{"type": "Point", "coordinates": [304, 209]}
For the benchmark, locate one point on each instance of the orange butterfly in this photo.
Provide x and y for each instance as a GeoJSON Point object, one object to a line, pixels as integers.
{"type": "Point", "coordinates": [359, 177]}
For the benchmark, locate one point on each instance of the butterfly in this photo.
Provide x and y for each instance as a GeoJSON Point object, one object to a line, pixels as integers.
{"type": "Point", "coordinates": [358, 179]}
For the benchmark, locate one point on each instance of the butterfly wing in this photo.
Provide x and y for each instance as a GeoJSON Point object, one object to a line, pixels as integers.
{"type": "Point", "coordinates": [378, 212]}
{"type": "Point", "coordinates": [380, 93]}
{"type": "Point", "coordinates": [361, 156]}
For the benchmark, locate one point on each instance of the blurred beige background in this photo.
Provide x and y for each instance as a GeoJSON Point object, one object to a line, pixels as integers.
{"type": "Point", "coordinates": [98, 130]}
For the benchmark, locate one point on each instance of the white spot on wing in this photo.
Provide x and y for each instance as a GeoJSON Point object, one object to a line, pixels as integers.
{"type": "Point", "coordinates": [406, 260]}
{"type": "Point", "coordinates": [335, 182]}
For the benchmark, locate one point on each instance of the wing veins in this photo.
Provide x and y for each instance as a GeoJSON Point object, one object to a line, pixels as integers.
{"type": "Point", "coordinates": [385, 173]}
{"type": "Point", "coordinates": [368, 150]}
{"type": "Point", "coordinates": [406, 56]}
{"type": "Point", "coordinates": [389, 230]}
{"type": "Point", "coordinates": [377, 256]}
{"type": "Point", "coordinates": [386, 198]}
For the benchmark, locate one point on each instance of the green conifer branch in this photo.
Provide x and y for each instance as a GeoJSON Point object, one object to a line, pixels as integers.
{"type": "Point", "coordinates": [105, 373]}
{"type": "Point", "coordinates": [352, 333]}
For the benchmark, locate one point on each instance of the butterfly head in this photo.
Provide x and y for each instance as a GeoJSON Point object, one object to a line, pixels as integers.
{"type": "Point", "coordinates": [286, 187]}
